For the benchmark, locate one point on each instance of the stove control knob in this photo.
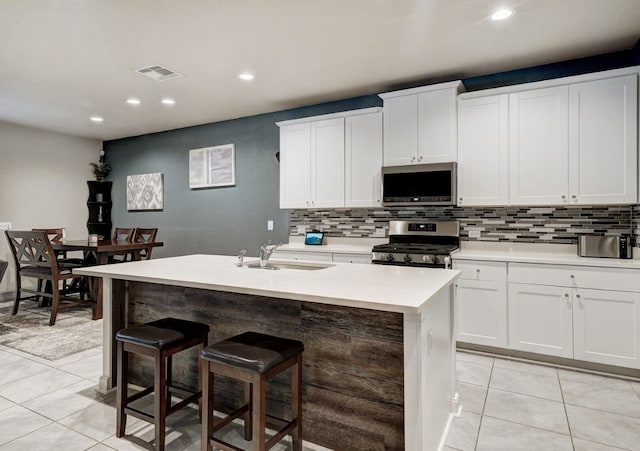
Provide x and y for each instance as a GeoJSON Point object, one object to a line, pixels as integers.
{"type": "Point", "coordinates": [440, 259]}
{"type": "Point", "coordinates": [407, 258]}
{"type": "Point", "coordinates": [390, 257]}
{"type": "Point", "coordinates": [427, 258]}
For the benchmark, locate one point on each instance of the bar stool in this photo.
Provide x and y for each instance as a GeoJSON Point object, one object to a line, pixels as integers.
{"type": "Point", "coordinates": [253, 358]}
{"type": "Point", "coordinates": [160, 340]}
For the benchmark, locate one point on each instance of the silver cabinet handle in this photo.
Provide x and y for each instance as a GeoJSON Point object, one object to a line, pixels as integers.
{"type": "Point", "coordinates": [564, 198]}
{"type": "Point", "coordinates": [575, 198]}
{"type": "Point", "coordinates": [566, 297]}
{"type": "Point", "coordinates": [413, 159]}
{"type": "Point", "coordinates": [420, 158]}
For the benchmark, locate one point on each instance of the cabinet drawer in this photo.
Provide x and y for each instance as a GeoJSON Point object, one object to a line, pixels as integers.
{"type": "Point", "coordinates": [310, 256]}
{"type": "Point", "coordinates": [617, 279]}
{"type": "Point", "coordinates": [352, 258]}
{"type": "Point", "coordinates": [481, 270]}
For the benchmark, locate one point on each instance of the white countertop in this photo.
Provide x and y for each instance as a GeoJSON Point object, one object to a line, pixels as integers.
{"type": "Point", "coordinates": [379, 287]}
{"type": "Point", "coordinates": [557, 254]}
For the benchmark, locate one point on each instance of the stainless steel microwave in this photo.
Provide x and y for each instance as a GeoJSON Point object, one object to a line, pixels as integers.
{"type": "Point", "coordinates": [419, 184]}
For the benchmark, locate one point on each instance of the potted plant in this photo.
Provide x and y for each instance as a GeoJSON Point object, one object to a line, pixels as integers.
{"type": "Point", "coordinates": [100, 169]}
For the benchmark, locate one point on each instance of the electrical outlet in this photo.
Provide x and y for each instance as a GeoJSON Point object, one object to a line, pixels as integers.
{"type": "Point", "coordinates": [379, 232]}
{"type": "Point", "coordinates": [474, 233]}
{"type": "Point", "coordinates": [302, 230]}
{"type": "Point", "coordinates": [269, 224]}
{"type": "Point", "coordinates": [5, 226]}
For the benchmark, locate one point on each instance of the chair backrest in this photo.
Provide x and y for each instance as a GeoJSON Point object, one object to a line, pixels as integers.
{"type": "Point", "coordinates": [55, 235]}
{"type": "Point", "coordinates": [145, 236]}
{"type": "Point", "coordinates": [32, 249]}
{"type": "Point", "coordinates": [3, 268]}
{"type": "Point", "coordinates": [123, 234]}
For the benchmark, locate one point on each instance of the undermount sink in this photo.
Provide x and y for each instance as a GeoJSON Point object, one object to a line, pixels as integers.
{"type": "Point", "coordinates": [279, 264]}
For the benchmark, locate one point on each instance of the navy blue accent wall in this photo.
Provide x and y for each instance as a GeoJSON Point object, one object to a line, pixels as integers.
{"type": "Point", "coordinates": [215, 220]}
{"type": "Point", "coordinates": [225, 220]}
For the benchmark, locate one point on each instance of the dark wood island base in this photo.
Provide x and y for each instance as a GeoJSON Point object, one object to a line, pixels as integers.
{"type": "Point", "coordinates": [353, 360]}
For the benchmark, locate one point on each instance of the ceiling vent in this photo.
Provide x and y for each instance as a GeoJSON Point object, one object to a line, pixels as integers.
{"type": "Point", "coordinates": [158, 73]}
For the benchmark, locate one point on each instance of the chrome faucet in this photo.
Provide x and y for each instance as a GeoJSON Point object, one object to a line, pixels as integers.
{"type": "Point", "coordinates": [265, 253]}
{"type": "Point", "coordinates": [241, 258]}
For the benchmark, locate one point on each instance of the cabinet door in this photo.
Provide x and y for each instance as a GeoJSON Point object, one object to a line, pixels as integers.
{"type": "Point", "coordinates": [607, 327]}
{"type": "Point", "coordinates": [363, 152]}
{"type": "Point", "coordinates": [327, 163]}
{"type": "Point", "coordinates": [483, 151]}
{"type": "Point", "coordinates": [603, 129]}
{"type": "Point", "coordinates": [437, 126]}
{"type": "Point", "coordinates": [295, 166]}
{"type": "Point", "coordinates": [302, 255]}
{"type": "Point", "coordinates": [539, 147]}
{"type": "Point", "coordinates": [400, 130]}
{"type": "Point", "coordinates": [481, 312]}
{"type": "Point", "coordinates": [352, 258]}
{"type": "Point", "coordinates": [540, 319]}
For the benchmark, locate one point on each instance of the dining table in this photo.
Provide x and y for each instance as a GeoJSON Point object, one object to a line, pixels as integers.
{"type": "Point", "coordinates": [98, 253]}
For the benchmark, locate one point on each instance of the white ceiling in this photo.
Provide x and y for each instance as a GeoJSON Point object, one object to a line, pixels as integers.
{"type": "Point", "coordinates": [62, 61]}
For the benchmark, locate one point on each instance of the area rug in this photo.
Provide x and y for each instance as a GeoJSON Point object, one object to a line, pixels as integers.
{"type": "Point", "coordinates": [29, 330]}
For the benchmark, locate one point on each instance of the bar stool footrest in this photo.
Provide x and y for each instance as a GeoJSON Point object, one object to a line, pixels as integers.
{"type": "Point", "coordinates": [285, 428]}
{"type": "Point", "coordinates": [229, 418]}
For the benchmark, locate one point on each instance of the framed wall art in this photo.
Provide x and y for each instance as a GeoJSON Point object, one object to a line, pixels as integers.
{"type": "Point", "coordinates": [145, 192]}
{"type": "Point", "coordinates": [211, 167]}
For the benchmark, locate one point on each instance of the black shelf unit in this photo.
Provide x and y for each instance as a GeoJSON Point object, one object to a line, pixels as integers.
{"type": "Point", "coordinates": [99, 206]}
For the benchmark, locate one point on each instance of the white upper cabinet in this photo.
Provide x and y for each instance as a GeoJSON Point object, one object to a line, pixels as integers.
{"type": "Point", "coordinates": [603, 141]}
{"type": "Point", "coordinates": [571, 141]}
{"type": "Point", "coordinates": [420, 125]}
{"type": "Point", "coordinates": [327, 163]}
{"type": "Point", "coordinates": [295, 165]}
{"type": "Point", "coordinates": [312, 164]}
{"type": "Point", "coordinates": [539, 146]}
{"type": "Point", "coordinates": [327, 159]}
{"type": "Point", "coordinates": [363, 152]}
{"type": "Point", "coordinates": [483, 151]}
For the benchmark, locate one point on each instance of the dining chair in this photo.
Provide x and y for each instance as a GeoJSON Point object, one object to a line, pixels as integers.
{"type": "Point", "coordinates": [78, 284]}
{"type": "Point", "coordinates": [142, 235]}
{"type": "Point", "coordinates": [123, 234]}
{"type": "Point", "coordinates": [34, 257]}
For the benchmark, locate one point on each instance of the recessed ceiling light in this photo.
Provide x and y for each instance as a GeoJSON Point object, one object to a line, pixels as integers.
{"type": "Point", "coordinates": [96, 119]}
{"type": "Point", "coordinates": [133, 101]}
{"type": "Point", "coordinates": [501, 14]}
{"type": "Point", "coordinates": [246, 76]}
{"type": "Point", "coordinates": [168, 101]}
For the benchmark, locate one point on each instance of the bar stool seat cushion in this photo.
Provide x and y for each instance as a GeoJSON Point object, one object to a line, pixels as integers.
{"type": "Point", "coordinates": [253, 351]}
{"type": "Point", "coordinates": [162, 333]}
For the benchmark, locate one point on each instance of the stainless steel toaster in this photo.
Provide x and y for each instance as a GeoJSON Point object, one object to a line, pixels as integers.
{"type": "Point", "coordinates": [604, 246]}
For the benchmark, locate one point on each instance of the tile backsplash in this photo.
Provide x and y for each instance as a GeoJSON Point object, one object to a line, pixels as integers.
{"type": "Point", "coordinates": [523, 224]}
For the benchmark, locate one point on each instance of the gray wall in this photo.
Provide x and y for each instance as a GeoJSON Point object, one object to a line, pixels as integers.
{"type": "Point", "coordinates": [215, 220]}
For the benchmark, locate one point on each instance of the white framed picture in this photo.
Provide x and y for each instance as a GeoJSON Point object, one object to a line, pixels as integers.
{"type": "Point", "coordinates": [211, 167]}
{"type": "Point", "coordinates": [145, 192]}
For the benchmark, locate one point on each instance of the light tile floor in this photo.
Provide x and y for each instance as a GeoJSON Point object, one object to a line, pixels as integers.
{"type": "Point", "coordinates": [48, 406]}
{"type": "Point", "coordinates": [507, 405]}
{"type": "Point", "coordinates": [512, 405]}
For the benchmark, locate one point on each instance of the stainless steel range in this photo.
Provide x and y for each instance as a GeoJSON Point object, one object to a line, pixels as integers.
{"type": "Point", "coordinates": [419, 243]}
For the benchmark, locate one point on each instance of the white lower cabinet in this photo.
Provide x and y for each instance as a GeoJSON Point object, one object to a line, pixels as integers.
{"type": "Point", "coordinates": [540, 319]}
{"type": "Point", "coordinates": [481, 312]}
{"type": "Point", "coordinates": [576, 312]}
{"type": "Point", "coordinates": [606, 327]}
{"type": "Point", "coordinates": [310, 256]}
{"type": "Point", "coordinates": [338, 257]}
{"type": "Point", "coordinates": [481, 303]}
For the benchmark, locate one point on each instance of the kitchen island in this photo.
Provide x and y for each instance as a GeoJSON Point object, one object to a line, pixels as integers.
{"type": "Point", "coordinates": [379, 351]}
